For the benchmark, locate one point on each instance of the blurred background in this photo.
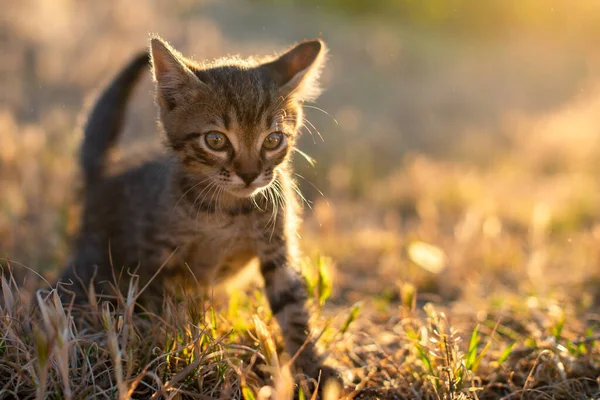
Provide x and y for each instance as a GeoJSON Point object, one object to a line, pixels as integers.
{"type": "Point", "coordinates": [460, 139]}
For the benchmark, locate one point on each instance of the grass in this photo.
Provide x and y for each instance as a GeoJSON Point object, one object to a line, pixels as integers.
{"type": "Point", "coordinates": [189, 351]}
{"type": "Point", "coordinates": [505, 345]}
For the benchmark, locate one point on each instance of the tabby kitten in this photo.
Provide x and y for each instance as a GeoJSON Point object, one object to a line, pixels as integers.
{"type": "Point", "coordinates": [221, 196]}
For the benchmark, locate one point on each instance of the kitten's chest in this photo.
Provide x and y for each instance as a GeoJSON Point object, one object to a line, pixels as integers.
{"type": "Point", "coordinates": [224, 237]}
{"type": "Point", "coordinates": [223, 247]}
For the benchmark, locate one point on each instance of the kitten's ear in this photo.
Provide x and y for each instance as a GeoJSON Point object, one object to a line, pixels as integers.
{"type": "Point", "coordinates": [298, 69]}
{"type": "Point", "coordinates": [174, 80]}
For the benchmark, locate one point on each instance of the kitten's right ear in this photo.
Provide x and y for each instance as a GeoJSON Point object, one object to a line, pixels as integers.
{"type": "Point", "coordinates": [297, 70]}
{"type": "Point", "coordinates": [174, 80]}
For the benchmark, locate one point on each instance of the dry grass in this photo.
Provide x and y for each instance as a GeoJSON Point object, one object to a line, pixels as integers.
{"type": "Point", "coordinates": [431, 277]}
{"type": "Point", "coordinates": [515, 347]}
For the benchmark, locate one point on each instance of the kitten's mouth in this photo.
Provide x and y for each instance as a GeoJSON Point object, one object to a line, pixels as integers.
{"type": "Point", "coordinates": [245, 191]}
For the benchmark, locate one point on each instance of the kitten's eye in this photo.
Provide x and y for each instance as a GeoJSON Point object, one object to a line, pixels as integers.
{"type": "Point", "coordinates": [273, 141]}
{"type": "Point", "coordinates": [216, 140]}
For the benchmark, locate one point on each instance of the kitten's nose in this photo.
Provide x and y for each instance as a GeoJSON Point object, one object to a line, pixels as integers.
{"type": "Point", "coordinates": [248, 177]}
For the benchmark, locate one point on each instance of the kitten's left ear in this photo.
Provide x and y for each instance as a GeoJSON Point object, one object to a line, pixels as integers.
{"type": "Point", "coordinates": [298, 69]}
{"type": "Point", "coordinates": [175, 81]}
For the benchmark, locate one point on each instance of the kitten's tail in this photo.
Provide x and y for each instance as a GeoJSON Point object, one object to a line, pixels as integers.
{"type": "Point", "coordinates": [106, 118]}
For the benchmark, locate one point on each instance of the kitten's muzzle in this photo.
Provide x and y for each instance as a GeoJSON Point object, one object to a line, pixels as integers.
{"type": "Point", "coordinates": [248, 177]}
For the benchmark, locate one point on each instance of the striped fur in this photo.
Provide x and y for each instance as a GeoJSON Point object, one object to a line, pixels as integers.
{"type": "Point", "coordinates": [211, 210]}
{"type": "Point", "coordinates": [106, 119]}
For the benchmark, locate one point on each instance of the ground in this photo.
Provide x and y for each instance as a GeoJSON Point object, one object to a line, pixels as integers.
{"type": "Point", "coordinates": [451, 229]}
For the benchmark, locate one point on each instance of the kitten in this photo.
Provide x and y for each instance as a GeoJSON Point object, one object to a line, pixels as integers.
{"type": "Point", "coordinates": [220, 197]}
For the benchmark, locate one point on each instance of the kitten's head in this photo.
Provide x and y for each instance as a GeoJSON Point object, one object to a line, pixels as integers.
{"type": "Point", "coordinates": [233, 121]}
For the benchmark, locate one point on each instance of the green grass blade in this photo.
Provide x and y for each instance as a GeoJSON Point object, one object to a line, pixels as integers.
{"type": "Point", "coordinates": [506, 353]}
{"type": "Point", "coordinates": [472, 353]}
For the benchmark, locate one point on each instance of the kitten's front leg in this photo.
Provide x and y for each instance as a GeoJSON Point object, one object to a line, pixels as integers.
{"type": "Point", "coordinates": [287, 297]}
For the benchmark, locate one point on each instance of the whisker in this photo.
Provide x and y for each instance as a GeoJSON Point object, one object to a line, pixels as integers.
{"type": "Point", "coordinates": [297, 190]}
{"type": "Point", "coordinates": [304, 119]}
{"type": "Point", "coordinates": [303, 125]}
{"type": "Point", "coordinates": [253, 198]}
{"type": "Point", "coordinates": [274, 211]}
{"type": "Point", "coordinates": [306, 124]}
{"type": "Point", "coordinates": [308, 158]}
{"type": "Point", "coordinates": [210, 188]}
{"type": "Point", "coordinates": [187, 191]}
{"type": "Point", "coordinates": [283, 99]}
{"type": "Point", "coordinates": [310, 183]}
{"type": "Point", "coordinates": [280, 197]}
{"type": "Point", "coordinates": [323, 111]}
{"type": "Point", "coordinates": [221, 213]}
{"type": "Point", "coordinates": [214, 213]}
{"type": "Point", "coordinates": [272, 199]}
{"type": "Point", "coordinates": [200, 194]}
{"type": "Point", "coordinates": [276, 204]}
